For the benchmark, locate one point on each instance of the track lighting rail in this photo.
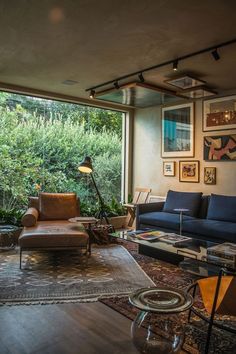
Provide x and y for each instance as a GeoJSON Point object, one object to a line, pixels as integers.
{"type": "Point", "coordinates": [213, 48]}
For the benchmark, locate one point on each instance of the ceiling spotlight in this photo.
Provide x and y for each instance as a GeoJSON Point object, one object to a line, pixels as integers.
{"type": "Point", "coordinates": [141, 78]}
{"type": "Point", "coordinates": [116, 85]}
{"type": "Point", "coordinates": [175, 65]}
{"type": "Point", "coordinates": [215, 54]}
{"type": "Point", "coordinates": [92, 94]}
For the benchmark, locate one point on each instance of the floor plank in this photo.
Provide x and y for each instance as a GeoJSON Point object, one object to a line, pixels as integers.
{"type": "Point", "coordinates": [88, 328]}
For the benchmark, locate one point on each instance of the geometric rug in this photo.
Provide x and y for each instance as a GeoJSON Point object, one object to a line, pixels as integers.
{"type": "Point", "coordinates": [166, 274]}
{"type": "Point", "coordinates": [57, 277]}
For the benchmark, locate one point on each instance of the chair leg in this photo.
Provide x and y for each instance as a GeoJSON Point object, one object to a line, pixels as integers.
{"type": "Point", "coordinates": [208, 337]}
{"type": "Point", "coordinates": [20, 256]}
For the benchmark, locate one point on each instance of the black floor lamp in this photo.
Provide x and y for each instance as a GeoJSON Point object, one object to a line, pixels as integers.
{"type": "Point", "coordinates": [86, 167]}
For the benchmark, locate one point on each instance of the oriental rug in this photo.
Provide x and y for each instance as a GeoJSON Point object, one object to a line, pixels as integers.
{"type": "Point", "coordinates": [166, 274]}
{"type": "Point", "coordinates": [53, 277]}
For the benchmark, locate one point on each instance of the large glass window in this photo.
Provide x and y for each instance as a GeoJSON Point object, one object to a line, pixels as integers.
{"type": "Point", "coordinates": [43, 141]}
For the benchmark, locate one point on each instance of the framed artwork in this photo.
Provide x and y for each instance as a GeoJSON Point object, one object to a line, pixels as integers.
{"type": "Point", "coordinates": [219, 148]}
{"type": "Point", "coordinates": [178, 131]}
{"type": "Point", "coordinates": [189, 171]}
{"type": "Point", "coordinates": [169, 168]}
{"type": "Point", "coordinates": [156, 198]}
{"type": "Point", "coordinates": [209, 175]}
{"type": "Point", "coordinates": [219, 114]}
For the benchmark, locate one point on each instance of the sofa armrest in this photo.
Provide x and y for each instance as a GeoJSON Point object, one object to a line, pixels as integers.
{"type": "Point", "coordinates": [147, 208]}
{"type": "Point", "coordinates": [30, 217]}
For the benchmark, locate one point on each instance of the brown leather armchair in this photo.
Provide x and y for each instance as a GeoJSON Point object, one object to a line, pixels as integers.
{"type": "Point", "coordinates": [46, 224]}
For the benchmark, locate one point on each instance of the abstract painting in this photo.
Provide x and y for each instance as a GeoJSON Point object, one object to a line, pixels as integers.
{"type": "Point", "coordinates": [220, 148]}
{"type": "Point", "coordinates": [209, 175]}
{"type": "Point", "coordinates": [169, 168]}
{"type": "Point", "coordinates": [219, 113]}
{"type": "Point", "coordinates": [189, 171]}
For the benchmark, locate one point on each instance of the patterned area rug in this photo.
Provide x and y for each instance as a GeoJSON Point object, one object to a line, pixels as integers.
{"type": "Point", "coordinates": [51, 277]}
{"type": "Point", "coordinates": [166, 274]}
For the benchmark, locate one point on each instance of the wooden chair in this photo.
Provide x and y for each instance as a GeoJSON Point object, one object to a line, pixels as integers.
{"type": "Point", "coordinates": [218, 297]}
{"type": "Point", "coordinates": [140, 197]}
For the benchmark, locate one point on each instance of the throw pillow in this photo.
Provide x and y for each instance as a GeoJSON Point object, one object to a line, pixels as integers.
{"type": "Point", "coordinates": [58, 206]}
{"type": "Point", "coordinates": [30, 218]}
{"type": "Point", "coordinates": [183, 200]}
{"type": "Point", "coordinates": [222, 207]}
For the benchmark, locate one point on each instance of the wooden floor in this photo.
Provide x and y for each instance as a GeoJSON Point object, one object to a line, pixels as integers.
{"type": "Point", "coordinates": [90, 328]}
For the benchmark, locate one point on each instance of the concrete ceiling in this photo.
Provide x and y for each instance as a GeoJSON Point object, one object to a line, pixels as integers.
{"type": "Point", "coordinates": [43, 43]}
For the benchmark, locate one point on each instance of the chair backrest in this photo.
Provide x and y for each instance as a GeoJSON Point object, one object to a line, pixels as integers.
{"type": "Point", "coordinates": [225, 299]}
{"type": "Point", "coordinates": [141, 195]}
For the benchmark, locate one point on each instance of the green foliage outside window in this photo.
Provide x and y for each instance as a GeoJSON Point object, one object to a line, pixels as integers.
{"type": "Point", "coordinates": [41, 144]}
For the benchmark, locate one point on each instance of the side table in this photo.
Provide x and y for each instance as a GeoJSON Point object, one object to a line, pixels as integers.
{"type": "Point", "coordinates": [7, 239]}
{"type": "Point", "coordinates": [157, 328]}
{"type": "Point", "coordinates": [87, 222]}
{"type": "Point", "coordinates": [181, 211]}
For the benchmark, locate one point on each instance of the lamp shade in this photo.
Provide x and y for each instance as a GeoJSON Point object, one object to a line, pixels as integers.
{"type": "Point", "coordinates": [86, 165]}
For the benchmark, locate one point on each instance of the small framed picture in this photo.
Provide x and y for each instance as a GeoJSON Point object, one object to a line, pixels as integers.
{"type": "Point", "coordinates": [189, 171]}
{"type": "Point", "coordinates": [209, 175]}
{"type": "Point", "coordinates": [169, 168]}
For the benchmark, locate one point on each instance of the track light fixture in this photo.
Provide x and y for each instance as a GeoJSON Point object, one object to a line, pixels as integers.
{"type": "Point", "coordinates": [175, 65]}
{"type": "Point", "coordinates": [92, 94]}
{"type": "Point", "coordinates": [215, 54]}
{"type": "Point", "coordinates": [116, 85]}
{"type": "Point", "coordinates": [141, 78]}
{"type": "Point", "coordinates": [213, 50]}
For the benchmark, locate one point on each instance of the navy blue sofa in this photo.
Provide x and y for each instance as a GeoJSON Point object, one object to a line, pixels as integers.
{"type": "Point", "coordinates": [211, 218]}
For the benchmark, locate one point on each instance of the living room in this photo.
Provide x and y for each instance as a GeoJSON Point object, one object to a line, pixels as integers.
{"type": "Point", "coordinates": [164, 66]}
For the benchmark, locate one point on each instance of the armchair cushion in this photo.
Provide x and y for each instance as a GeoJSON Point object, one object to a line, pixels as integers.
{"type": "Point", "coordinates": [58, 206]}
{"type": "Point", "coordinates": [186, 200]}
{"type": "Point", "coordinates": [30, 217]}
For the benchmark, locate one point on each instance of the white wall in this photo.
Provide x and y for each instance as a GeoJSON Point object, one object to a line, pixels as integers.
{"type": "Point", "coordinates": [148, 164]}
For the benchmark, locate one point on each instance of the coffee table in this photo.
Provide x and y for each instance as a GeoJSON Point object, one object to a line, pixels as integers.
{"type": "Point", "coordinates": [191, 255]}
{"type": "Point", "coordinates": [87, 221]}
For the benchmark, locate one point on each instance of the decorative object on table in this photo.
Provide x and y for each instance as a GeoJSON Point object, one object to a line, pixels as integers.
{"type": "Point", "coordinates": [86, 167]}
{"type": "Point", "coordinates": [220, 148]}
{"type": "Point", "coordinates": [223, 254]}
{"type": "Point", "coordinates": [178, 131]}
{"type": "Point", "coordinates": [218, 298]}
{"type": "Point", "coordinates": [140, 197]}
{"type": "Point", "coordinates": [189, 171]}
{"type": "Point", "coordinates": [7, 237]}
{"type": "Point", "coordinates": [169, 168]}
{"type": "Point", "coordinates": [209, 175]}
{"type": "Point", "coordinates": [57, 277]}
{"type": "Point", "coordinates": [219, 113]}
{"type": "Point", "coordinates": [160, 304]}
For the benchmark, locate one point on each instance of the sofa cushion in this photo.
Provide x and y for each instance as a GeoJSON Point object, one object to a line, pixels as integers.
{"type": "Point", "coordinates": [215, 229]}
{"type": "Point", "coordinates": [183, 200]}
{"type": "Point", "coordinates": [30, 217]}
{"type": "Point", "coordinates": [222, 207]}
{"type": "Point", "coordinates": [55, 234]}
{"type": "Point", "coordinates": [58, 206]}
{"type": "Point", "coordinates": [162, 219]}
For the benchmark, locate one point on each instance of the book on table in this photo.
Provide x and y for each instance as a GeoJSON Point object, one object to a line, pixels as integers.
{"type": "Point", "coordinates": [223, 254]}
{"type": "Point", "coordinates": [173, 238]}
{"type": "Point", "coordinates": [147, 235]}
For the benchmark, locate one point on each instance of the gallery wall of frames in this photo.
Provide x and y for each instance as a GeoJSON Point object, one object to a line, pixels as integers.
{"type": "Point", "coordinates": [198, 146]}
